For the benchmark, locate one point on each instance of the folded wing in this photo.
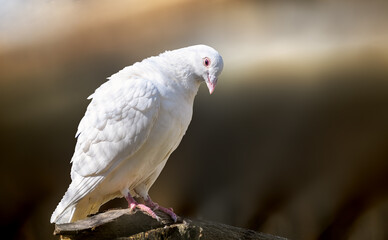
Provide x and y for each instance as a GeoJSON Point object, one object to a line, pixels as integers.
{"type": "Point", "coordinates": [116, 124]}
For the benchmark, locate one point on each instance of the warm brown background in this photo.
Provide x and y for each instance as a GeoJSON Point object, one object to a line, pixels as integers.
{"type": "Point", "coordinates": [293, 142]}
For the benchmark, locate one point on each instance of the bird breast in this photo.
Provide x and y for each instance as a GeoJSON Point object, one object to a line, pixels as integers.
{"type": "Point", "coordinates": [171, 124]}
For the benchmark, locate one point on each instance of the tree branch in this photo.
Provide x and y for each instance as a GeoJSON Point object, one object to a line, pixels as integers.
{"type": "Point", "coordinates": [123, 224]}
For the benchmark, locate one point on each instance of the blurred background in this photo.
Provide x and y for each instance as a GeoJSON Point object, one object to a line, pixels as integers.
{"type": "Point", "coordinates": [294, 141]}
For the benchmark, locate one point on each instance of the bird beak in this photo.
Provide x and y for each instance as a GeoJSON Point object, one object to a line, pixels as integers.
{"type": "Point", "coordinates": [211, 83]}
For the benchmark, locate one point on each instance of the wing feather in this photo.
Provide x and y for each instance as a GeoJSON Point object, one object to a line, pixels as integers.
{"type": "Point", "coordinates": [116, 124]}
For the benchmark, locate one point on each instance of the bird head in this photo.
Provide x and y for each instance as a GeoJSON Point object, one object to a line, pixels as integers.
{"type": "Point", "coordinates": [194, 65]}
{"type": "Point", "coordinates": [206, 64]}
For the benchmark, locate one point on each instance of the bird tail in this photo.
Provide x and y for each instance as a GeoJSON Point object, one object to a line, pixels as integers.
{"type": "Point", "coordinates": [73, 207]}
{"type": "Point", "coordinates": [64, 212]}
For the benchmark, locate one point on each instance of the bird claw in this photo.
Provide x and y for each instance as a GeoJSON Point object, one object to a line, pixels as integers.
{"type": "Point", "coordinates": [148, 211]}
{"type": "Point", "coordinates": [169, 212]}
{"type": "Point", "coordinates": [131, 206]}
{"type": "Point", "coordinates": [149, 208]}
{"type": "Point", "coordinates": [155, 206]}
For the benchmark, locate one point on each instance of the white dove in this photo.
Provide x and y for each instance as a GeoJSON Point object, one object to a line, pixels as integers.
{"type": "Point", "coordinates": [132, 125]}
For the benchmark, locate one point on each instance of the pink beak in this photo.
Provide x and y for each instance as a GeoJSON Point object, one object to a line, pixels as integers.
{"type": "Point", "coordinates": [211, 83]}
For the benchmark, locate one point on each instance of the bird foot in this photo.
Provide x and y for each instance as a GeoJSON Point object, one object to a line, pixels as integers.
{"type": "Point", "coordinates": [155, 206]}
{"type": "Point", "coordinates": [148, 211]}
{"type": "Point", "coordinates": [149, 207]}
{"type": "Point", "coordinates": [168, 211]}
{"type": "Point", "coordinates": [144, 209]}
{"type": "Point", "coordinates": [132, 204]}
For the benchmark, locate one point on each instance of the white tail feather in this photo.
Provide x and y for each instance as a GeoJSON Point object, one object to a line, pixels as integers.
{"type": "Point", "coordinates": [71, 207]}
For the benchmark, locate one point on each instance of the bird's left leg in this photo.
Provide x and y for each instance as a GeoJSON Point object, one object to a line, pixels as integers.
{"type": "Point", "coordinates": [132, 204]}
{"type": "Point", "coordinates": [131, 201]}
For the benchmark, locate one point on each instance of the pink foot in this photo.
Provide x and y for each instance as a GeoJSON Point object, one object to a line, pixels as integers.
{"type": "Point", "coordinates": [133, 204]}
{"type": "Point", "coordinates": [155, 206]}
{"type": "Point", "coordinates": [147, 210]}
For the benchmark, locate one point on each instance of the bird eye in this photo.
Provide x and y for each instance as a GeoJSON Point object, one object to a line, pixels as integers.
{"type": "Point", "coordinates": [206, 62]}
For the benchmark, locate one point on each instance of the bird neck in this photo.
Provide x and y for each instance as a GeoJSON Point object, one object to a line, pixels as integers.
{"type": "Point", "coordinates": [178, 73]}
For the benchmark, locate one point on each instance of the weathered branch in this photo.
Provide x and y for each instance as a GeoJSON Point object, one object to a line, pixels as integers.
{"type": "Point", "coordinates": [123, 224]}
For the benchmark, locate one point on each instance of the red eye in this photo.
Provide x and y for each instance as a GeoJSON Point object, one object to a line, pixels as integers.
{"type": "Point", "coordinates": [206, 62]}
